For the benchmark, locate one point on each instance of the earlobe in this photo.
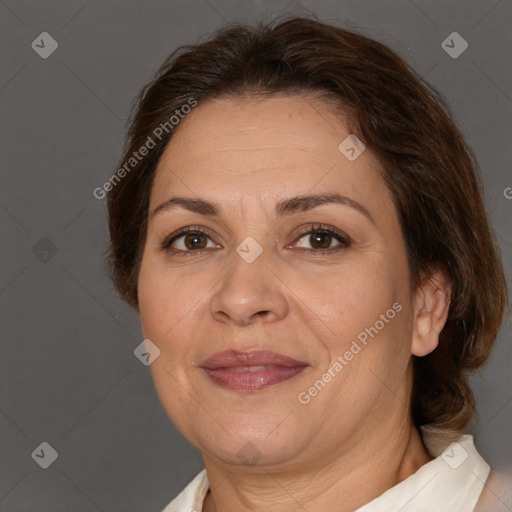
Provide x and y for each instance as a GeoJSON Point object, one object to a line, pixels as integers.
{"type": "Point", "coordinates": [432, 303]}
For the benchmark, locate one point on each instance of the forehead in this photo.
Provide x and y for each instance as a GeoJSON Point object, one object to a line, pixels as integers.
{"type": "Point", "coordinates": [265, 126]}
{"type": "Point", "coordinates": [246, 147]}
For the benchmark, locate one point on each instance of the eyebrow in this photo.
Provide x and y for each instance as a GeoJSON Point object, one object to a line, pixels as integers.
{"type": "Point", "coordinates": [283, 207]}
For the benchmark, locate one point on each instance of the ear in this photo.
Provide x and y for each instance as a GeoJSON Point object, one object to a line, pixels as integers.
{"type": "Point", "coordinates": [431, 305]}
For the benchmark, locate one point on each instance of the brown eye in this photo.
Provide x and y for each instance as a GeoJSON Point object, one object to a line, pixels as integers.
{"type": "Point", "coordinates": [322, 239]}
{"type": "Point", "coordinates": [188, 241]}
{"type": "Point", "coordinates": [195, 241]}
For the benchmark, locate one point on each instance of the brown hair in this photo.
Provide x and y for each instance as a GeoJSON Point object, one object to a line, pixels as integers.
{"type": "Point", "coordinates": [427, 165]}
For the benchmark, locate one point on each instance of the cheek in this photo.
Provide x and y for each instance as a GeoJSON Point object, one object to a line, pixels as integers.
{"type": "Point", "coordinates": [365, 308]}
{"type": "Point", "coordinates": [166, 307]}
{"type": "Point", "coordinates": [351, 297]}
{"type": "Point", "coordinates": [165, 298]}
{"type": "Point", "coordinates": [153, 303]}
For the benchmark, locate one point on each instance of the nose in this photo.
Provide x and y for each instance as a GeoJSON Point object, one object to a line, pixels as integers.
{"type": "Point", "coordinates": [249, 293]}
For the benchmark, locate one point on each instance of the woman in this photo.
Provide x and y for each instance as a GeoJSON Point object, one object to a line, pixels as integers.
{"type": "Point", "coordinates": [300, 224]}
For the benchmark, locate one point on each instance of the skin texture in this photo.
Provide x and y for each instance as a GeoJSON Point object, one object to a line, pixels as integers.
{"type": "Point", "coordinates": [354, 439]}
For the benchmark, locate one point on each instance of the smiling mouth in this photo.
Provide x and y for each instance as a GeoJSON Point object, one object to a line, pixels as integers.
{"type": "Point", "coordinates": [249, 368]}
{"type": "Point", "coordinates": [252, 370]}
{"type": "Point", "coordinates": [252, 378]}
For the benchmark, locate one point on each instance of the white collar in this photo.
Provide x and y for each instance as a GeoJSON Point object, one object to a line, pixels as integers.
{"type": "Point", "coordinates": [452, 482]}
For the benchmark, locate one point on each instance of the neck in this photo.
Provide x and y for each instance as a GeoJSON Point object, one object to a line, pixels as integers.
{"type": "Point", "coordinates": [348, 482]}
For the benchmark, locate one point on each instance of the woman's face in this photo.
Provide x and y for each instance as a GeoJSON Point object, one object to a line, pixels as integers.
{"type": "Point", "coordinates": [322, 287]}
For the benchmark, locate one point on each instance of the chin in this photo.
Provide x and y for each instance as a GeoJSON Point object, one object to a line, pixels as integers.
{"type": "Point", "coordinates": [250, 443]}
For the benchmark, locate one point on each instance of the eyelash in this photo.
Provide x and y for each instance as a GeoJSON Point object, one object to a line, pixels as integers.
{"type": "Point", "coordinates": [343, 239]}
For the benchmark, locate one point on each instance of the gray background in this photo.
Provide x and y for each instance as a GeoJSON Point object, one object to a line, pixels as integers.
{"type": "Point", "coordinates": [68, 375]}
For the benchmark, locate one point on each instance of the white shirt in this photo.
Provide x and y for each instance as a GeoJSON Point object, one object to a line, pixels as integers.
{"type": "Point", "coordinates": [452, 482]}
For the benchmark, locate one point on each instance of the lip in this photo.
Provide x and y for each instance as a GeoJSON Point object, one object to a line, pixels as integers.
{"type": "Point", "coordinates": [251, 370]}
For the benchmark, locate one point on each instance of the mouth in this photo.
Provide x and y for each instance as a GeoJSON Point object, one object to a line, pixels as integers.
{"type": "Point", "coordinates": [252, 370]}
